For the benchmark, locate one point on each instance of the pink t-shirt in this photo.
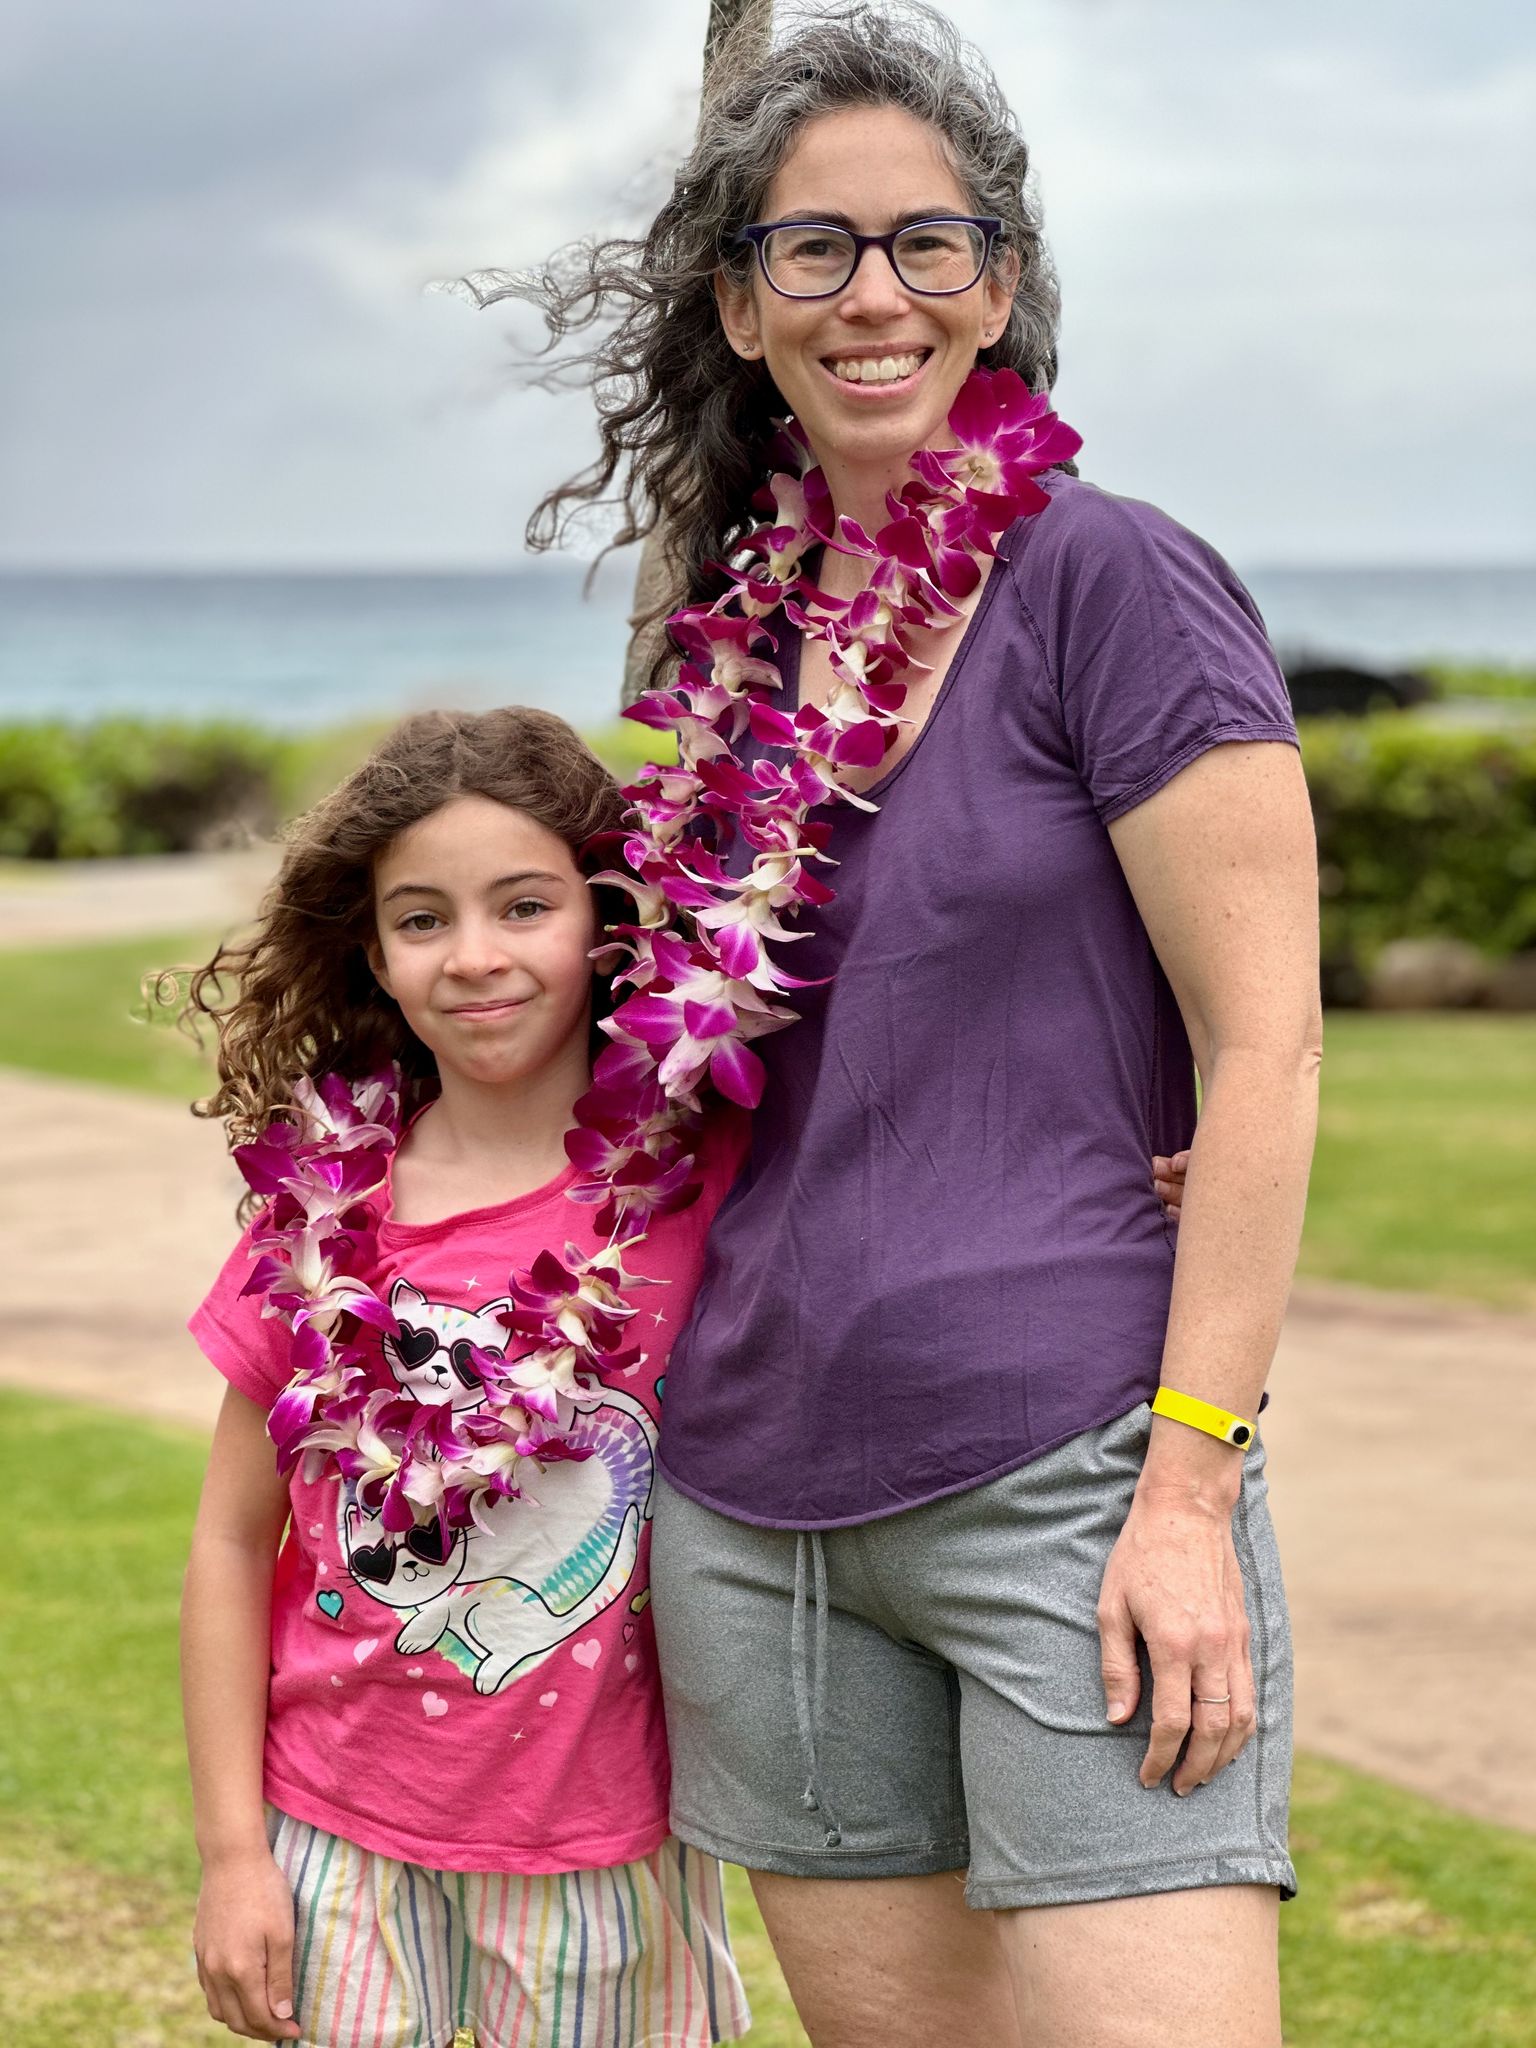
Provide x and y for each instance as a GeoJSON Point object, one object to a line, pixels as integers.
{"type": "Point", "coordinates": [498, 1709]}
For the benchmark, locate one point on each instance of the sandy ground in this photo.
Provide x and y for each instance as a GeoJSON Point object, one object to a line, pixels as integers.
{"type": "Point", "coordinates": [1400, 1435]}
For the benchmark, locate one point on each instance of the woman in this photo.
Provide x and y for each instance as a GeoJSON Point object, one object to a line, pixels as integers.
{"type": "Point", "coordinates": [937, 1592]}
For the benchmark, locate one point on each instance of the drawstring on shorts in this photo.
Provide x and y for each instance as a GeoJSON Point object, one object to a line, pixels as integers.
{"type": "Point", "coordinates": [811, 1685]}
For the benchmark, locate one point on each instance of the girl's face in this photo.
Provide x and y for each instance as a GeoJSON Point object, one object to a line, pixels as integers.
{"type": "Point", "coordinates": [484, 926]}
{"type": "Point", "coordinates": [871, 169]}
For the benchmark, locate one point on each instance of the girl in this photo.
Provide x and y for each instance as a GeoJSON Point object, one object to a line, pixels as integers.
{"type": "Point", "coordinates": [430, 1774]}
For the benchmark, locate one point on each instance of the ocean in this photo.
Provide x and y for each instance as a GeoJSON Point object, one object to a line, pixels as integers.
{"type": "Point", "coordinates": [313, 650]}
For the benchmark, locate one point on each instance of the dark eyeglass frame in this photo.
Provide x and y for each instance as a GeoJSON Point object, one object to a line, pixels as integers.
{"type": "Point", "coordinates": [990, 228]}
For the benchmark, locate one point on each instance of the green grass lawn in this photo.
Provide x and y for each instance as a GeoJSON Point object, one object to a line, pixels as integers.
{"type": "Point", "coordinates": [1422, 1178]}
{"type": "Point", "coordinates": [76, 1011]}
{"type": "Point", "coordinates": [1423, 1175]}
{"type": "Point", "coordinates": [1415, 1928]}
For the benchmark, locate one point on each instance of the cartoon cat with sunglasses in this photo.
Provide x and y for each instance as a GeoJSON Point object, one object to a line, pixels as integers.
{"type": "Point", "coordinates": [496, 1601]}
{"type": "Point", "coordinates": [431, 1357]}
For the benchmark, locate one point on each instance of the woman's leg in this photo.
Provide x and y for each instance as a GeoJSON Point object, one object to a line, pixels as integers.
{"type": "Point", "coordinates": [891, 1962]}
{"type": "Point", "coordinates": [815, 1748]}
{"type": "Point", "coordinates": [1189, 1969]}
{"type": "Point", "coordinates": [1130, 1918]}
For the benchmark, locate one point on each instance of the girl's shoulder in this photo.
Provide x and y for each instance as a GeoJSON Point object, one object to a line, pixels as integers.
{"type": "Point", "coordinates": [252, 1350]}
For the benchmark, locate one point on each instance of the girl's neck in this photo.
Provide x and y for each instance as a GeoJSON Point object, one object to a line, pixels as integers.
{"type": "Point", "coordinates": [482, 1143]}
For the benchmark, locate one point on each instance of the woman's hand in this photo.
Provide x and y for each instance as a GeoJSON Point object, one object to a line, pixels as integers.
{"type": "Point", "coordinates": [1168, 1177]}
{"type": "Point", "coordinates": [1173, 1579]}
{"type": "Point", "coordinates": [244, 1942]}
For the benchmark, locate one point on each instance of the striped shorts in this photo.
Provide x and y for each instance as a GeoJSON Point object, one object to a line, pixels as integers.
{"type": "Point", "coordinates": [391, 1955]}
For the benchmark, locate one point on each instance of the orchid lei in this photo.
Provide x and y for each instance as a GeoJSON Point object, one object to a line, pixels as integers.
{"type": "Point", "coordinates": [694, 957]}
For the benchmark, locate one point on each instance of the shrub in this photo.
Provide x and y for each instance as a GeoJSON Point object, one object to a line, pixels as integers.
{"type": "Point", "coordinates": [1422, 831]}
{"type": "Point", "coordinates": [1458, 679]}
{"type": "Point", "coordinates": [126, 786]}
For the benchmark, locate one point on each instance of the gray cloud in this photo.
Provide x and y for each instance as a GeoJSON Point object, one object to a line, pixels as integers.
{"type": "Point", "coordinates": [1295, 250]}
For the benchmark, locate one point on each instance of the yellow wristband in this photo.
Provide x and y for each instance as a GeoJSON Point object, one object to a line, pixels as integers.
{"type": "Point", "coordinates": [1202, 1415]}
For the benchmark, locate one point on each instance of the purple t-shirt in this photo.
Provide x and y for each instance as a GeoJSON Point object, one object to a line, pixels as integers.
{"type": "Point", "coordinates": [945, 1254]}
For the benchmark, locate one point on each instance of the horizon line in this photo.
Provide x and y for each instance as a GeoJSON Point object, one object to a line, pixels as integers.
{"type": "Point", "coordinates": [559, 563]}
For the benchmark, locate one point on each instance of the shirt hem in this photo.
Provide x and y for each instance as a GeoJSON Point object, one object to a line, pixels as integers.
{"type": "Point", "coordinates": [1233, 732]}
{"type": "Point", "coordinates": [546, 1860]}
{"type": "Point", "coordinates": [900, 1507]}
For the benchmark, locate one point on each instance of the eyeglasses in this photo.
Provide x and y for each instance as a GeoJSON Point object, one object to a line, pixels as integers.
{"type": "Point", "coordinates": [812, 259]}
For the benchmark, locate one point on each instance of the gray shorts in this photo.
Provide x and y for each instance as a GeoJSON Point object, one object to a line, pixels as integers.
{"type": "Point", "coordinates": [954, 1716]}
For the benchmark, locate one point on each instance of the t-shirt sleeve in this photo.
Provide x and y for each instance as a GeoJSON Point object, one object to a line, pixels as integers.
{"type": "Point", "coordinates": [250, 1349]}
{"type": "Point", "coordinates": [1157, 649]}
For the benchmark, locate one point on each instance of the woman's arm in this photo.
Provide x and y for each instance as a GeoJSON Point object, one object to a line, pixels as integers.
{"type": "Point", "coordinates": [244, 1930]}
{"type": "Point", "coordinates": [1222, 863]}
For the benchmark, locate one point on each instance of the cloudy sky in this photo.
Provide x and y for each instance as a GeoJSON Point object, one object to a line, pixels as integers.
{"type": "Point", "coordinates": [1295, 245]}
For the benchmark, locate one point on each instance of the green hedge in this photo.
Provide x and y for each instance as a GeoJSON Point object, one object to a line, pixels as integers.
{"type": "Point", "coordinates": [1458, 679]}
{"type": "Point", "coordinates": [1422, 829]}
{"type": "Point", "coordinates": [1422, 832]}
{"type": "Point", "coordinates": [127, 786]}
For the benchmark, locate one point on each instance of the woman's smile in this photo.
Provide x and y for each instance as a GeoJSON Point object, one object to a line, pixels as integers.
{"type": "Point", "coordinates": [869, 374]}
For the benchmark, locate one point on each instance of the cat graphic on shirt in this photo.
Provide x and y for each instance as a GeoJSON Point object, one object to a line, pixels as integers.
{"type": "Point", "coordinates": [548, 1563]}
{"type": "Point", "coordinates": [431, 1355]}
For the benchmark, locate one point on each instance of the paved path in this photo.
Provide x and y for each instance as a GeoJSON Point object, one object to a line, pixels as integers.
{"type": "Point", "coordinates": [68, 902]}
{"type": "Point", "coordinates": [1400, 1436]}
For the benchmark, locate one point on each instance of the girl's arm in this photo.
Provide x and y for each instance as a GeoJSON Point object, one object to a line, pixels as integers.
{"type": "Point", "coordinates": [1222, 863]}
{"type": "Point", "coordinates": [244, 1929]}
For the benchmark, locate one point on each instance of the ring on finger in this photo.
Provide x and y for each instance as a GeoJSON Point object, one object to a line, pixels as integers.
{"type": "Point", "coordinates": [1221, 1700]}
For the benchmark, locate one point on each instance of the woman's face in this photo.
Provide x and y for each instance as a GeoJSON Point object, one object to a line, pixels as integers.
{"type": "Point", "coordinates": [484, 926]}
{"type": "Point", "coordinates": [869, 168]}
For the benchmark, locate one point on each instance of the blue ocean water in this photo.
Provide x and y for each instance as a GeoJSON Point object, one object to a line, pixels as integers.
{"type": "Point", "coordinates": [312, 650]}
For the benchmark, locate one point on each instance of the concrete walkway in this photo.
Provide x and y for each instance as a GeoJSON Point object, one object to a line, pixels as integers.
{"type": "Point", "coordinates": [69, 902]}
{"type": "Point", "coordinates": [1400, 1433]}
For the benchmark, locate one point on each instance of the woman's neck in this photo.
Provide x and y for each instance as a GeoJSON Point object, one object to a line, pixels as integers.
{"type": "Point", "coordinates": [859, 491]}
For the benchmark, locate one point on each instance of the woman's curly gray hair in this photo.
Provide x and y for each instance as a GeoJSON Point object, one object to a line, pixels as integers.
{"type": "Point", "coordinates": [685, 424]}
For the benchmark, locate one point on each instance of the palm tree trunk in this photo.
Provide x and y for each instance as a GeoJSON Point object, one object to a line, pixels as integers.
{"type": "Point", "coordinates": [656, 577]}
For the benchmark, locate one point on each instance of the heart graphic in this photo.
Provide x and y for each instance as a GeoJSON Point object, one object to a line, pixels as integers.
{"type": "Point", "coordinates": [587, 1654]}
{"type": "Point", "coordinates": [323, 1569]}
{"type": "Point", "coordinates": [415, 1346]}
{"type": "Point", "coordinates": [315, 1529]}
{"type": "Point", "coordinates": [329, 1603]}
{"type": "Point", "coordinates": [631, 1662]}
{"type": "Point", "coordinates": [547, 1699]}
{"type": "Point", "coordinates": [414, 1671]}
{"type": "Point", "coordinates": [375, 1561]}
{"type": "Point", "coordinates": [661, 1387]}
{"type": "Point", "coordinates": [640, 1602]}
{"type": "Point", "coordinates": [334, 1679]}
{"type": "Point", "coordinates": [428, 1544]}
{"type": "Point", "coordinates": [364, 1650]}
{"type": "Point", "coordinates": [431, 1704]}
{"type": "Point", "coordinates": [629, 1631]}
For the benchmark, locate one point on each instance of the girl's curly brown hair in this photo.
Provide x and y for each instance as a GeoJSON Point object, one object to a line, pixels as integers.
{"type": "Point", "coordinates": [297, 997]}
